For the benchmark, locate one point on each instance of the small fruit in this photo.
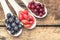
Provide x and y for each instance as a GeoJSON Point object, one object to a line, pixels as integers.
{"type": "Point", "coordinates": [31, 18]}
{"type": "Point", "coordinates": [8, 15]}
{"type": "Point", "coordinates": [26, 12]}
{"type": "Point", "coordinates": [13, 24]}
{"type": "Point", "coordinates": [40, 14]}
{"type": "Point", "coordinates": [20, 16]}
{"type": "Point", "coordinates": [25, 21]}
{"type": "Point", "coordinates": [27, 26]}
{"type": "Point", "coordinates": [25, 16]}
{"type": "Point", "coordinates": [31, 22]}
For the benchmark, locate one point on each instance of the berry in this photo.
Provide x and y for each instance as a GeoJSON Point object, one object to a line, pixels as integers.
{"type": "Point", "coordinates": [11, 20]}
{"type": "Point", "coordinates": [8, 26]}
{"type": "Point", "coordinates": [37, 7]}
{"type": "Point", "coordinates": [25, 21]}
{"type": "Point", "coordinates": [26, 12]}
{"type": "Point", "coordinates": [29, 6]}
{"type": "Point", "coordinates": [20, 26]}
{"type": "Point", "coordinates": [13, 24]}
{"type": "Point", "coordinates": [40, 14]}
{"type": "Point", "coordinates": [8, 15]}
{"type": "Point", "coordinates": [32, 6]}
{"type": "Point", "coordinates": [35, 10]}
{"type": "Point", "coordinates": [27, 26]}
{"type": "Point", "coordinates": [25, 16]}
{"type": "Point", "coordinates": [31, 18]}
{"type": "Point", "coordinates": [17, 21]}
{"type": "Point", "coordinates": [31, 22]}
{"type": "Point", "coordinates": [20, 16]}
{"type": "Point", "coordinates": [16, 28]}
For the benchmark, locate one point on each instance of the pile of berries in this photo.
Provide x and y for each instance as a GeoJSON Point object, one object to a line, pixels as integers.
{"type": "Point", "coordinates": [13, 24]}
{"type": "Point", "coordinates": [37, 8]}
{"type": "Point", "coordinates": [26, 19]}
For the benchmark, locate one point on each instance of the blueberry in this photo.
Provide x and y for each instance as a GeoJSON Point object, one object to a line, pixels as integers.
{"type": "Point", "coordinates": [16, 28]}
{"type": "Point", "coordinates": [20, 26]}
{"type": "Point", "coordinates": [11, 20]}
{"type": "Point", "coordinates": [17, 21]}
{"type": "Point", "coordinates": [8, 15]}
{"type": "Point", "coordinates": [8, 26]}
{"type": "Point", "coordinates": [12, 32]}
{"type": "Point", "coordinates": [14, 17]}
{"type": "Point", "coordinates": [13, 25]}
{"type": "Point", "coordinates": [6, 21]}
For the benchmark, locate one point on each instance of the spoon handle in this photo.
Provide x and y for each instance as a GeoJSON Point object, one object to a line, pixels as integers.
{"type": "Point", "coordinates": [26, 2]}
{"type": "Point", "coordinates": [16, 7]}
{"type": "Point", "coordinates": [5, 7]}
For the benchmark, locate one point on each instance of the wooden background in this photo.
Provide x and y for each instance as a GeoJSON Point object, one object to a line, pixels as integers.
{"type": "Point", "coordinates": [45, 29]}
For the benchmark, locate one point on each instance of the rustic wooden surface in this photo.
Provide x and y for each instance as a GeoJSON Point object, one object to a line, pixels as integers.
{"type": "Point", "coordinates": [40, 32]}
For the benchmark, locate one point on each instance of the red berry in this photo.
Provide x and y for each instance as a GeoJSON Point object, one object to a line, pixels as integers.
{"type": "Point", "coordinates": [25, 21]}
{"type": "Point", "coordinates": [35, 10]}
{"type": "Point", "coordinates": [29, 6]}
{"type": "Point", "coordinates": [26, 12]}
{"type": "Point", "coordinates": [37, 7]}
{"type": "Point", "coordinates": [20, 17]}
{"type": "Point", "coordinates": [27, 26]}
{"type": "Point", "coordinates": [31, 22]}
{"type": "Point", "coordinates": [32, 6]}
{"type": "Point", "coordinates": [25, 16]}
{"type": "Point", "coordinates": [31, 18]}
{"type": "Point", "coordinates": [40, 14]}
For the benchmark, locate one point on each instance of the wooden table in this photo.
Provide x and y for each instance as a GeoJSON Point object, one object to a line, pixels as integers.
{"type": "Point", "coordinates": [45, 29]}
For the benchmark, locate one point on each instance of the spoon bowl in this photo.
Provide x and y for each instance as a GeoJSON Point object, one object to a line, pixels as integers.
{"type": "Point", "coordinates": [6, 11]}
{"type": "Point", "coordinates": [26, 2]}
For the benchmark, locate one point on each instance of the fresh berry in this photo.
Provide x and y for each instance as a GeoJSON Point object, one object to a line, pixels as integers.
{"type": "Point", "coordinates": [25, 16]}
{"type": "Point", "coordinates": [27, 26]}
{"type": "Point", "coordinates": [13, 25]}
{"type": "Point", "coordinates": [31, 22]}
{"type": "Point", "coordinates": [15, 28]}
{"type": "Point", "coordinates": [31, 18]}
{"type": "Point", "coordinates": [8, 15]}
{"type": "Point", "coordinates": [26, 12]}
{"type": "Point", "coordinates": [20, 16]}
{"type": "Point", "coordinates": [25, 21]}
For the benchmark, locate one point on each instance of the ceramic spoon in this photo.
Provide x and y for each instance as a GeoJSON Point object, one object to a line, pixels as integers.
{"type": "Point", "coordinates": [6, 11]}
{"type": "Point", "coordinates": [17, 8]}
{"type": "Point", "coordinates": [26, 2]}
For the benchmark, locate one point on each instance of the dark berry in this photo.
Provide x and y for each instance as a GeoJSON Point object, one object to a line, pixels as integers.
{"type": "Point", "coordinates": [20, 26]}
{"type": "Point", "coordinates": [8, 15]}
{"type": "Point", "coordinates": [16, 28]}
{"type": "Point", "coordinates": [35, 10]}
{"type": "Point", "coordinates": [17, 21]}
{"type": "Point", "coordinates": [8, 26]}
{"type": "Point", "coordinates": [13, 25]}
{"type": "Point", "coordinates": [37, 7]}
{"type": "Point", "coordinates": [11, 19]}
{"type": "Point", "coordinates": [32, 6]}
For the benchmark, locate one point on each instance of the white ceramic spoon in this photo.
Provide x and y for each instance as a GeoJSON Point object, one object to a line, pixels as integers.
{"type": "Point", "coordinates": [6, 11]}
{"type": "Point", "coordinates": [17, 8]}
{"type": "Point", "coordinates": [26, 2]}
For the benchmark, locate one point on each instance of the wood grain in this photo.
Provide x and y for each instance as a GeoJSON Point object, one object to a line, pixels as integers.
{"type": "Point", "coordinates": [53, 17]}
{"type": "Point", "coordinates": [39, 33]}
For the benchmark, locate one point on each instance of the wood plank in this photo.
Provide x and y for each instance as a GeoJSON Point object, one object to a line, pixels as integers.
{"type": "Point", "coordinates": [53, 17]}
{"type": "Point", "coordinates": [39, 33]}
